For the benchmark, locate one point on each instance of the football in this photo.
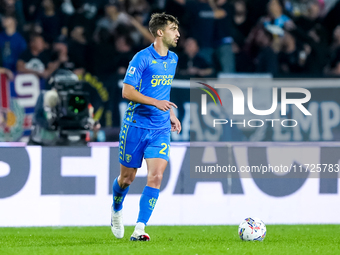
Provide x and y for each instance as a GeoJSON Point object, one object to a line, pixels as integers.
{"type": "Point", "coordinates": [252, 229]}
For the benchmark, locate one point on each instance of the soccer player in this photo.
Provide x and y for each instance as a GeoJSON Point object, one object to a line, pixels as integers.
{"type": "Point", "coordinates": [148, 121]}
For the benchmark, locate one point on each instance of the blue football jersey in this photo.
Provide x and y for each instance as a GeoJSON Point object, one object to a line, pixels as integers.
{"type": "Point", "coordinates": [151, 75]}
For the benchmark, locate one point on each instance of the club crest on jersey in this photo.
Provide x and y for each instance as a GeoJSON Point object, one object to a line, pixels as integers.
{"type": "Point", "coordinates": [131, 71]}
{"type": "Point", "coordinates": [173, 61]}
{"type": "Point", "coordinates": [165, 64]}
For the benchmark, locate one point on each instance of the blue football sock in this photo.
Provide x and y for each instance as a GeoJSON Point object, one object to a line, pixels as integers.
{"type": "Point", "coordinates": [147, 203]}
{"type": "Point", "coordinates": [118, 195]}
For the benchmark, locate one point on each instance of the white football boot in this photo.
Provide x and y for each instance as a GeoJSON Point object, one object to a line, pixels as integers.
{"type": "Point", "coordinates": [139, 233]}
{"type": "Point", "coordinates": [117, 226]}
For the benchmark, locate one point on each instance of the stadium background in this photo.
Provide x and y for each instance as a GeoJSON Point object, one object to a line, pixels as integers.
{"type": "Point", "coordinates": [290, 43]}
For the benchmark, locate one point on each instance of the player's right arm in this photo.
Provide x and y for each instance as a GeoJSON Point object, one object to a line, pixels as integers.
{"type": "Point", "coordinates": [130, 93]}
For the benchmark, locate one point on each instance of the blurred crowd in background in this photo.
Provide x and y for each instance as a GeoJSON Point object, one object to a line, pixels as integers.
{"type": "Point", "coordinates": [281, 37]}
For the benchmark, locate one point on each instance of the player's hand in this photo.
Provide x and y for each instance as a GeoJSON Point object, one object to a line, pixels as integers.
{"type": "Point", "coordinates": [164, 105]}
{"type": "Point", "coordinates": [175, 124]}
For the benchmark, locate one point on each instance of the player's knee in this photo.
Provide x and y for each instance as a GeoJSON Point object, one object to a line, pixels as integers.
{"type": "Point", "coordinates": [128, 180]}
{"type": "Point", "coordinates": [125, 181]}
{"type": "Point", "coordinates": [155, 178]}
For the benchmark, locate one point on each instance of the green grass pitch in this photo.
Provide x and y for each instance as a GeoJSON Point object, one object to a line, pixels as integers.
{"type": "Point", "coordinates": [280, 239]}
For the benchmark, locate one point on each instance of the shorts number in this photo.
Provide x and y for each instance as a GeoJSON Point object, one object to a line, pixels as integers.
{"type": "Point", "coordinates": [162, 151]}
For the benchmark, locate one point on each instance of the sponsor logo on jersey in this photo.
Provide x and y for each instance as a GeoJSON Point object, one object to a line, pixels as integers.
{"type": "Point", "coordinates": [161, 80]}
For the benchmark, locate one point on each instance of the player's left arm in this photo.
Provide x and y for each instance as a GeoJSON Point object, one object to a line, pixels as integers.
{"type": "Point", "coordinates": [175, 123]}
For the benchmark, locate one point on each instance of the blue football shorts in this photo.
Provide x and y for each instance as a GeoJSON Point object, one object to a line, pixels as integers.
{"type": "Point", "coordinates": [136, 143]}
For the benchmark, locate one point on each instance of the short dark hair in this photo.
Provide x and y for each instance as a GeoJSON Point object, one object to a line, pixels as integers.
{"type": "Point", "coordinates": [159, 21]}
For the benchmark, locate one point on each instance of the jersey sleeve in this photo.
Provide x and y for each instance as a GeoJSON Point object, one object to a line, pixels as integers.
{"type": "Point", "coordinates": [176, 57]}
{"type": "Point", "coordinates": [135, 70]}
